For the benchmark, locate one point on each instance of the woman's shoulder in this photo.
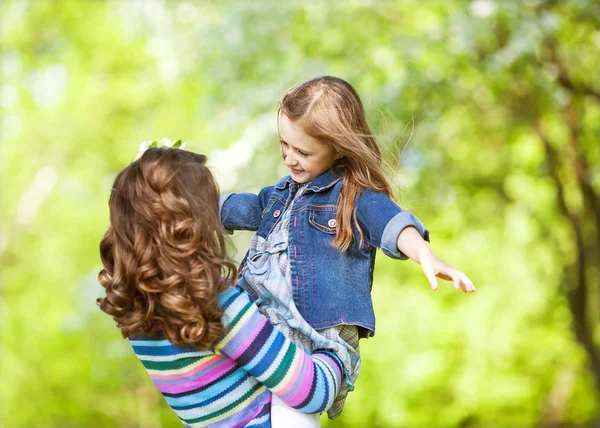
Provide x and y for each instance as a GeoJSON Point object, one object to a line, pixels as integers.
{"type": "Point", "coordinates": [233, 300]}
{"type": "Point", "coordinates": [227, 295]}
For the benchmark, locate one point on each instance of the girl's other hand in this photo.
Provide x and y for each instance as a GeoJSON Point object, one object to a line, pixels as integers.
{"type": "Point", "coordinates": [413, 246]}
{"type": "Point", "coordinates": [434, 268]}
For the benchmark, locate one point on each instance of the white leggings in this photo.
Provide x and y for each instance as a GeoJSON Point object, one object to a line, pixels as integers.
{"type": "Point", "coordinates": [284, 416]}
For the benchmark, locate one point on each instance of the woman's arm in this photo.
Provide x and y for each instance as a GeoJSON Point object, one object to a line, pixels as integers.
{"type": "Point", "coordinates": [307, 383]}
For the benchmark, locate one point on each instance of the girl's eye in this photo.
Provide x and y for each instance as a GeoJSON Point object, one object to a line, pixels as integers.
{"type": "Point", "coordinates": [283, 143]}
{"type": "Point", "coordinates": [302, 154]}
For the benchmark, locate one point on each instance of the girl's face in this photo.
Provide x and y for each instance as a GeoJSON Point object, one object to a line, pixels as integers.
{"type": "Point", "coordinates": [306, 157]}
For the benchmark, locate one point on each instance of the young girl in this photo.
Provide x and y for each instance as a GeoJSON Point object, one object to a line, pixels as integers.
{"type": "Point", "coordinates": [310, 264]}
{"type": "Point", "coordinates": [169, 287]}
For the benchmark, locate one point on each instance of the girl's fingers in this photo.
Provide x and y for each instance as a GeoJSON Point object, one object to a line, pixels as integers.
{"type": "Point", "coordinates": [431, 278]}
{"type": "Point", "coordinates": [466, 284]}
{"type": "Point", "coordinates": [439, 269]}
{"type": "Point", "coordinates": [457, 283]}
{"type": "Point", "coordinates": [459, 279]}
{"type": "Point", "coordinates": [469, 284]}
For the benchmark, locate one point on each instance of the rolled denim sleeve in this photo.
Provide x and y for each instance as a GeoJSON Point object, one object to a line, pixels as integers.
{"type": "Point", "coordinates": [396, 225]}
{"type": "Point", "coordinates": [242, 211]}
{"type": "Point", "coordinates": [382, 220]}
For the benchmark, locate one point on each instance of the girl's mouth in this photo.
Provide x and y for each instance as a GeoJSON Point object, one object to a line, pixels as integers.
{"type": "Point", "coordinates": [296, 171]}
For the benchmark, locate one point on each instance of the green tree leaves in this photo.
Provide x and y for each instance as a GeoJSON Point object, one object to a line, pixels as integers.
{"type": "Point", "coordinates": [488, 115]}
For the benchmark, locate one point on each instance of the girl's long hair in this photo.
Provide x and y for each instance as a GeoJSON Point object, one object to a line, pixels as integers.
{"type": "Point", "coordinates": [164, 254]}
{"type": "Point", "coordinates": [330, 110]}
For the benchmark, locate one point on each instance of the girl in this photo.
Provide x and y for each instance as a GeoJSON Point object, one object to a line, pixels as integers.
{"type": "Point", "coordinates": [169, 287]}
{"type": "Point", "coordinates": [310, 264]}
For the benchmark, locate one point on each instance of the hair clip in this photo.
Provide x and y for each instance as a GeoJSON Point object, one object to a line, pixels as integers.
{"type": "Point", "coordinates": [163, 143]}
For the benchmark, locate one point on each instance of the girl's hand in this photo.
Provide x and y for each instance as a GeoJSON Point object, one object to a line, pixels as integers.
{"type": "Point", "coordinates": [412, 244]}
{"type": "Point", "coordinates": [434, 268]}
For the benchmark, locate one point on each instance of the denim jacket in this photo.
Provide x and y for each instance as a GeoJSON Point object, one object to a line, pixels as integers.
{"type": "Point", "coordinates": [330, 288]}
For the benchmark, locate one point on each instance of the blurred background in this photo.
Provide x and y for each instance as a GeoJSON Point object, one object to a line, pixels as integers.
{"type": "Point", "coordinates": [488, 113]}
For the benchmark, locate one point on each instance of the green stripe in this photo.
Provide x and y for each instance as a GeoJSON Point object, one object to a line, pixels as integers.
{"type": "Point", "coordinates": [223, 410]}
{"type": "Point", "coordinates": [283, 368]}
{"type": "Point", "coordinates": [239, 315]}
{"type": "Point", "coordinates": [172, 365]}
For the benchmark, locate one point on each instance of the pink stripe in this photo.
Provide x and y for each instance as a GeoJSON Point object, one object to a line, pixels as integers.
{"type": "Point", "coordinates": [201, 379]}
{"type": "Point", "coordinates": [295, 376]}
{"type": "Point", "coordinates": [334, 366]}
{"type": "Point", "coordinates": [212, 361]}
{"type": "Point", "coordinates": [245, 337]}
{"type": "Point", "coordinates": [301, 381]}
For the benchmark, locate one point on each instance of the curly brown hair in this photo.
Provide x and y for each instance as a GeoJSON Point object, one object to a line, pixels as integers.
{"type": "Point", "coordinates": [164, 255]}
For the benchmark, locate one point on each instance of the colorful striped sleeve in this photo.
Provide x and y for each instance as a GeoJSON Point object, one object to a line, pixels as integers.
{"type": "Point", "coordinates": [307, 383]}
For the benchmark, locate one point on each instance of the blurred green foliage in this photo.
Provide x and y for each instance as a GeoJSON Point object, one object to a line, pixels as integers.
{"type": "Point", "coordinates": [489, 116]}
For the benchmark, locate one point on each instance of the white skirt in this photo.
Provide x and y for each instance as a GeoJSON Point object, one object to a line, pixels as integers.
{"type": "Point", "coordinates": [284, 416]}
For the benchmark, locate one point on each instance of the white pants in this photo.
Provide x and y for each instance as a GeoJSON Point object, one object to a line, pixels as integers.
{"type": "Point", "coordinates": [284, 416]}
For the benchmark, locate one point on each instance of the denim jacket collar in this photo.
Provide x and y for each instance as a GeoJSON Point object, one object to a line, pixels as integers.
{"type": "Point", "coordinates": [322, 182]}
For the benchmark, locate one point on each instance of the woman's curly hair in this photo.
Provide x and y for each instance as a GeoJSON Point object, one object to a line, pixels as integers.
{"type": "Point", "coordinates": [164, 255]}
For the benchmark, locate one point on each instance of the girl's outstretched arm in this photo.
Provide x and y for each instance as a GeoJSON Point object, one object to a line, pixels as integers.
{"type": "Point", "coordinates": [307, 383]}
{"type": "Point", "coordinates": [401, 235]}
{"type": "Point", "coordinates": [414, 246]}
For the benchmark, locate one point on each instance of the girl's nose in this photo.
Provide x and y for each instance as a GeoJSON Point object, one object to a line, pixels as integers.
{"type": "Point", "coordinates": [289, 159]}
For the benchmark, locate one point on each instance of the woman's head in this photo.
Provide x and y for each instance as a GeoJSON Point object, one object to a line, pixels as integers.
{"type": "Point", "coordinates": [326, 115]}
{"type": "Point", "coordinates": [164, 253]}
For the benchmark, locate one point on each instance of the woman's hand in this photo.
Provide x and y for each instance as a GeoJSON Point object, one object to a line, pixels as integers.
{"type": "Point", "coordinates": [414, 246]}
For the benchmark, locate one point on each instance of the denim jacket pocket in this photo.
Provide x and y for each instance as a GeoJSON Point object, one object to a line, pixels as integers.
{"type": "Point", "coordinates": [324, 219]}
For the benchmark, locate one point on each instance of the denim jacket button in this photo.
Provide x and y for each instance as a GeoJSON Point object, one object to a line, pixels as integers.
{"type": "Point", "coordinates": [276, 213]}
{"type": "Point", "coordinates": [331, 223]}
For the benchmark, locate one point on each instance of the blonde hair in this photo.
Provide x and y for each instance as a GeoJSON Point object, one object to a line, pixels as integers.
{"type": "Point", "coordinates": [330, 110]}
{"type": "Point", "coordinates": [164, 254]}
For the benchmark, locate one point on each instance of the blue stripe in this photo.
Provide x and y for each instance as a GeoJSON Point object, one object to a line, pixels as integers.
{"type": "Point", "coordinates": [158, 351]}
{"type": "Point", "coordinates": [214, 392]}
{"type": "Point", "coordinates": [275, 348]}
{"type": "Point", "coordinates": [150, 342]}
{"type": "Point", "coordinates": [318, 402]}
{"type": "Point", "coordinates": [255, 346]}
{"type": "Point", "coordinates": [226, 297]}
{"type": "Point", "coordinates": [261, 354]}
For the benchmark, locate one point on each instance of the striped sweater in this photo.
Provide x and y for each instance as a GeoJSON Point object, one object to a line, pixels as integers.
{"type": "Point", "coordinates": [227, 387]}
